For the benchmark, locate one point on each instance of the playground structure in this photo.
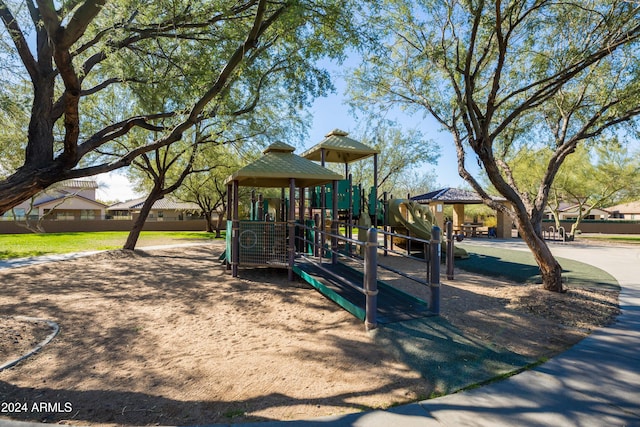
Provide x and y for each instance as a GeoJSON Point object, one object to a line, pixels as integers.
{"type": "Point", "coordinates": [311, 226]}
{"type": "Point", "coordinates": [407, 217]}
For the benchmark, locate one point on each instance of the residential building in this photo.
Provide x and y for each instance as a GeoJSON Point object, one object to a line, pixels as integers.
{"type": "Point", "coordinates": [166, 209]}
{"type": "Point", "coordinates": [570, 211]}
{"type": "Point", "coordinates": [627, 211]}
{"type": "Point", "coordinates": [73, 199]}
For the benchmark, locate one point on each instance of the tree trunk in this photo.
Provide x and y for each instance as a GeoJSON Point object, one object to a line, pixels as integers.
{"type": "Point", "coordinates": [550, 269]}
{"type": "Point", "coordinates": [134, 234]}
{"type": "Point", "coordinates": [219, 223]}
{"type": "Point", "coordinates": [574, 227]}
{"type": "Point", "coordinates": [209, 219]}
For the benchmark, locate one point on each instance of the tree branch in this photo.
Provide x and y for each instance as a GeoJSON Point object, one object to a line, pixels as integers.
{"type": "Point", "coordinates": [17, 36]}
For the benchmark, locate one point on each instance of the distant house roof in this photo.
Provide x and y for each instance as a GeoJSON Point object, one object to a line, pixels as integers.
{"type": "Point", "coordinates": [166, 203]}
{"type": "Point", "coordinates": [339, 148]}
{"type": "Point", "coordinates": [450, 196]}
{"type": "Point", "coordinates": [78, 183]}
{"type": "Point", "coordinates": [63, 195]}
{"type": "Point", "coordinates": [626, 208]}
{"type": "Point", "coordinates": [278, 165]}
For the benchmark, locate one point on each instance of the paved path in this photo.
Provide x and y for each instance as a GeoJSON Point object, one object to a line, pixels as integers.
{"type": "Point", "coordinates": [595, 383]}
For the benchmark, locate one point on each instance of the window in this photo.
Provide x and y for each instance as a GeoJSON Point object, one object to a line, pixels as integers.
{"type": "Point", "coordinates": [87, 214]}
{"type": "Point", "coordinates": [20, 215]}
{"type": "Point", "coordinates": [65, 216]}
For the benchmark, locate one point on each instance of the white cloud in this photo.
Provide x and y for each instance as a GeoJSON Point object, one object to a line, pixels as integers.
{"type": "Point", "coordinates": [114, 186]}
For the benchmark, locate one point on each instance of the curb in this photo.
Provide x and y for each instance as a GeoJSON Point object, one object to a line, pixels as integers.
{"type": "Point", "coordinates": [38, 347]}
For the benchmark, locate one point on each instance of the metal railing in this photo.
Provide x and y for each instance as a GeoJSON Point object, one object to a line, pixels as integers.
{"type": "Point", "coordinates": [312, 244]}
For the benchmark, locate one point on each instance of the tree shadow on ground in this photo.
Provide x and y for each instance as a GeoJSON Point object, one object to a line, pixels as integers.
{"type": "Point", "coordinates": [85, 358]}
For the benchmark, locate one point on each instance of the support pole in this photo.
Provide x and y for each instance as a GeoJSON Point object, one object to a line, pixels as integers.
{"type": "Point", "coordinates": [374, 194]}
{"type": "Point", "coordinates": [434, 277]}
{"type": "Point", "coordinates": [235, 233]}
{"type": "Point", "coordinates": [450, 259]}
{"type": "Point", "coordinates": [371, 279]}
{"type": "Point", "coordinates": [254, 210]}
{"type": "Point", "coordinates": [229, 218]}
{"type": "Point", "coordinates": [323, 207]}
{"type": "Point", "coordinates": [334, 224]}
{"type": "Point", "coordinates": [283, 207]}
{"type": "Point", "coordinates": [302, 246]}
{"type": "Point", "coordinates": [385, 221]}
{"type": "Point", "coordinates": [317, 251]}
{"type": "Point", "coordinates": [292, 226]}
{"type": "Point", "coordinates": [349, 229]}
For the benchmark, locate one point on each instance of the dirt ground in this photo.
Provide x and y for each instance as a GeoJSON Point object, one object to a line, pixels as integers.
{"type": "Point", "coordinates": [169, 337]}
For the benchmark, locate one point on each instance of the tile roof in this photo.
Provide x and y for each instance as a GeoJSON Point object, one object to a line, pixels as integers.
{"type": "Point", "coordinates": [631, 207]}
{"type": "Point", "coordinates": [78, 183]}
{"type": "Point", "coordinates": [65, 195]}
{"type": "Point", "coordinates": [278, 165]}
{"type": "Point", "coordinates": [339, 149]}
{"type": "Point", "coordinates": [450, 195]}
{"type": "Point", "coordinates": [165, 203]}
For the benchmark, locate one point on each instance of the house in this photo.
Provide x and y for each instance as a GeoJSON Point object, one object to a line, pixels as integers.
{"type": "Point", "coordinates": [569, 211]}
{"type": "Point", "coordinates": [166, 209]}
{"type": "Point", "coordinates": [628, 211]}
{"type": "Point", "coordinates": [73, 199]}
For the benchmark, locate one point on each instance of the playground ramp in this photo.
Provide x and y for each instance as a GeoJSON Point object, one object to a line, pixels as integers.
{"type": "Point", "coordinates": [340, 283]}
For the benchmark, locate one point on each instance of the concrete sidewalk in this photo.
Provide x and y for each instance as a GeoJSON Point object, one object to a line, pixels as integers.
{"type": "Point", "coordinates": [595, 383]}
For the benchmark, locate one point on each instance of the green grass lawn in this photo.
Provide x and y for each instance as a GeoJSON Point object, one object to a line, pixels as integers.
{"type": "Point", "coordinates": [27, 245]}
{"type": "Point", "coordinates": [633, 239]}
{"type": "Point", "coordinates": [520, 266]}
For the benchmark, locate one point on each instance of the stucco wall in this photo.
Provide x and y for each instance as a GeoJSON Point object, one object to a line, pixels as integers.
{"type": "Point", "coordinates": [605, 227]}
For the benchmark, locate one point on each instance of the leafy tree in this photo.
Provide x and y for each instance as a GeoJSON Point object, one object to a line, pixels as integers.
{"type": "Point", "coordinates": [506, 74]}
{"type": "Point", "coordinates": [415, 182]}
{"type": "Point", "coordinates": [208, 189]}
{"type": "Point", "coordinates": [217, 54]}
{"type": "Point", "coordinates": [594, 179]}
{"type": "Point", "coordinates": [401, 151]}
{"type": "Point", "coordinates": [156, 165]}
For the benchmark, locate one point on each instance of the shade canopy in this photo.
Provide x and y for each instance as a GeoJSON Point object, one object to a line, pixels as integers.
{"type": "Point", "coordinates": [278, 165]}
{"type": "Point", "coordinates": [338, 148]}
{"type": "Point", "coordinates": [452, 196]}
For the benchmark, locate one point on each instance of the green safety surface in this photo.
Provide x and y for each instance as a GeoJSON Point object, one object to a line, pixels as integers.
{"type": "Point", "coordinates": [520, 266]}
{"type": "Point", "coordinates": [337, 281]}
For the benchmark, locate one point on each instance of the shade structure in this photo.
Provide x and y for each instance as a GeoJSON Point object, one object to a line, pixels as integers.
{"type": "Point", "coordinates": [339, 148]}
{"type": "Point", "coordinates": [278, 165]}
{"type": "Point", "coordinates": [452, 196]}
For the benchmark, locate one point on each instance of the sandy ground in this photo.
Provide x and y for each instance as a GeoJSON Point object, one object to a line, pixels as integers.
{"type": "Point", "coordinates": [169, 337]}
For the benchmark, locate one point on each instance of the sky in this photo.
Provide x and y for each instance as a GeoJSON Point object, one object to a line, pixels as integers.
{"type": "Point", "coordinates": [330, 113]}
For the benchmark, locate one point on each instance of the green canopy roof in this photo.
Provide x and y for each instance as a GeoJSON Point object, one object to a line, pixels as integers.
{"type": "Point", "coordinates": [338, 148]}
{"type": "Point", "coordinates": [278, 165]}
